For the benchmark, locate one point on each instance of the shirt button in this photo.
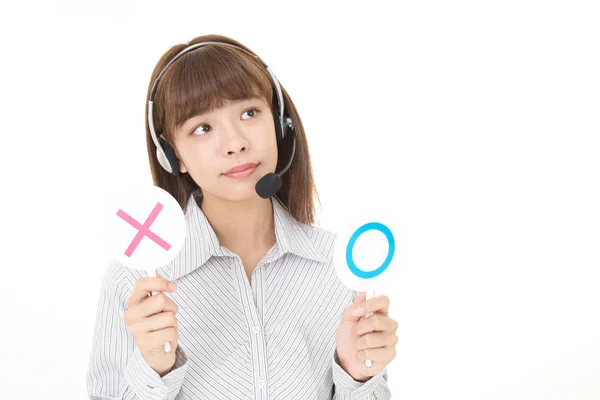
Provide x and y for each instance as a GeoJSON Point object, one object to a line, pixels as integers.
{"type": "Point", "coordinates": [159, 390]}
{"type": "Point", "coordinates": [255, 329]}
{"type": "Point", "coordinates": [260, 383]}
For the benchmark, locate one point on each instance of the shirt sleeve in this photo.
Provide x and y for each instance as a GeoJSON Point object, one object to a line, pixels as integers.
{"type": "Point", "coordinates": [346, 388]}
{"type": "Point", "coordinates": [116, 367]}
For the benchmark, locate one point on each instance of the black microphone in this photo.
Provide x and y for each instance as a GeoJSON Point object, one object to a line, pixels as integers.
{"type": "Point", "coordinates": [269, 184]}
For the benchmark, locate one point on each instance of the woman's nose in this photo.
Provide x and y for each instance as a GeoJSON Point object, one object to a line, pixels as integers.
{"type": "Point", "coordinates": [242, 149]}
{"type": "Point", "coordinates": [234, 140]}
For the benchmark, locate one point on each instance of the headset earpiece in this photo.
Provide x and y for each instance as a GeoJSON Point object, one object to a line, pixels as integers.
{"type": "Point", "coordinates": [279, 134]}
{"type": "Point", "coordinates": [289, 123]}
{"type": "Point", "coordinates": [168, 159]}
{"type": "Point", "coordinates": [281, 131]}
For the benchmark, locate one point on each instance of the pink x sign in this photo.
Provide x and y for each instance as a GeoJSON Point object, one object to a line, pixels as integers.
{"type": "Point", "coordinates": [147, 227]}
{"type": "Point", "coordinates": [143, 230]}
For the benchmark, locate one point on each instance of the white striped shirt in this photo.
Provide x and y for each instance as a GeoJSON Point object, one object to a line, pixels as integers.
{"type": "Point", "coordinates": [271, 339]}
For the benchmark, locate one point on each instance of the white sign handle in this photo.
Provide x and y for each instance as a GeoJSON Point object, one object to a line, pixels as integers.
{"type": "Point", "coordinates": [167, 345]}
{"type": "Point", "coordinates": [370, 295]}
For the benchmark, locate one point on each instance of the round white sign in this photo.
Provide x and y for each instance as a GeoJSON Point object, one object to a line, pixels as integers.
{"type": "Point", "coordinates": [146, 227]}
{"type": "Point", "coordinates": [366, 251]}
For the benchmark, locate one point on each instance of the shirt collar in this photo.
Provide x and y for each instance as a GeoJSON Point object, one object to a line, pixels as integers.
{"type": "Point", "coordinates": [201, 242]}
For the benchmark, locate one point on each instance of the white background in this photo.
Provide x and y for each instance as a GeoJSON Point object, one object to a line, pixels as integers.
{"type": "Point", "coordinates": [475, 122]}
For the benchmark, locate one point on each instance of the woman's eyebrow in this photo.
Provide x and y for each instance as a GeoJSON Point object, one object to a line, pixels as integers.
{"type": "Point", "coordinates": [228, 102]}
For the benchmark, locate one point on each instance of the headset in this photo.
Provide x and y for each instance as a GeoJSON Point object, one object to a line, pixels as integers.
{"type": "Point", "coordinates": [269, 184]}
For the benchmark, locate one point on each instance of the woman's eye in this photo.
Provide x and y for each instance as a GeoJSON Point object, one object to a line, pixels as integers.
{"type": "Point", "coordinates": [205, 128]}
{"type": "Point", "coordinates": [199, 131]}
{"type": "Point", "coordinates": [252, 111]}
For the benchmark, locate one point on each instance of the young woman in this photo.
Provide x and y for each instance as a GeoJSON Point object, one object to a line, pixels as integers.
{"type": "Point", "coordinates": [252, 307]}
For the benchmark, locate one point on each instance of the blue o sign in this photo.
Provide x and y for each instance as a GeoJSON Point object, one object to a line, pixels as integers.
{"type": "Point", "coordinates": [366, 252]}
{"type": "Point", "coordinates": [391, 249]}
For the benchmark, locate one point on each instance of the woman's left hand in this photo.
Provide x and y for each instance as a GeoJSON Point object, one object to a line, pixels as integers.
{"type": "Point", "coordinates": [359, 339]}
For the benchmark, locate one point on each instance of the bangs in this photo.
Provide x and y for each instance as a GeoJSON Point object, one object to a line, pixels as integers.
{"type": "Point", "coordinates": [203, 80]}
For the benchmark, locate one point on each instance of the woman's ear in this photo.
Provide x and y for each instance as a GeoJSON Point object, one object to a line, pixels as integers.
{"type": "Point", "coordinates": [182, 167]}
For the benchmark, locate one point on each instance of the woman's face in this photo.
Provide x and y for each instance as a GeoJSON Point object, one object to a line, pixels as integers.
{"type": "Point", "coordinates": [210, 144]}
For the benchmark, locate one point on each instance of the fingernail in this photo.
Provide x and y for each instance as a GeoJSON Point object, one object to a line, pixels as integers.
{"type": "Point", "coordinates": [358, 312]}
{"type": "Point", "coordinates": [172, 286]}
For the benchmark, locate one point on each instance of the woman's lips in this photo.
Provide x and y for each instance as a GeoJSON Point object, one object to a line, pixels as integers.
{"type": "Point", "coordinates": [241, 171]}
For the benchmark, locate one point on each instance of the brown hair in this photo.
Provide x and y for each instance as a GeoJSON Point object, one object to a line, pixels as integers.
{"type": "Point", "coordinates": [202, 80]}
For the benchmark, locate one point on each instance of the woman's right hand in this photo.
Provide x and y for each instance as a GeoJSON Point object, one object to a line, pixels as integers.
{"type": "Point", "coordinates": [152, 321]}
